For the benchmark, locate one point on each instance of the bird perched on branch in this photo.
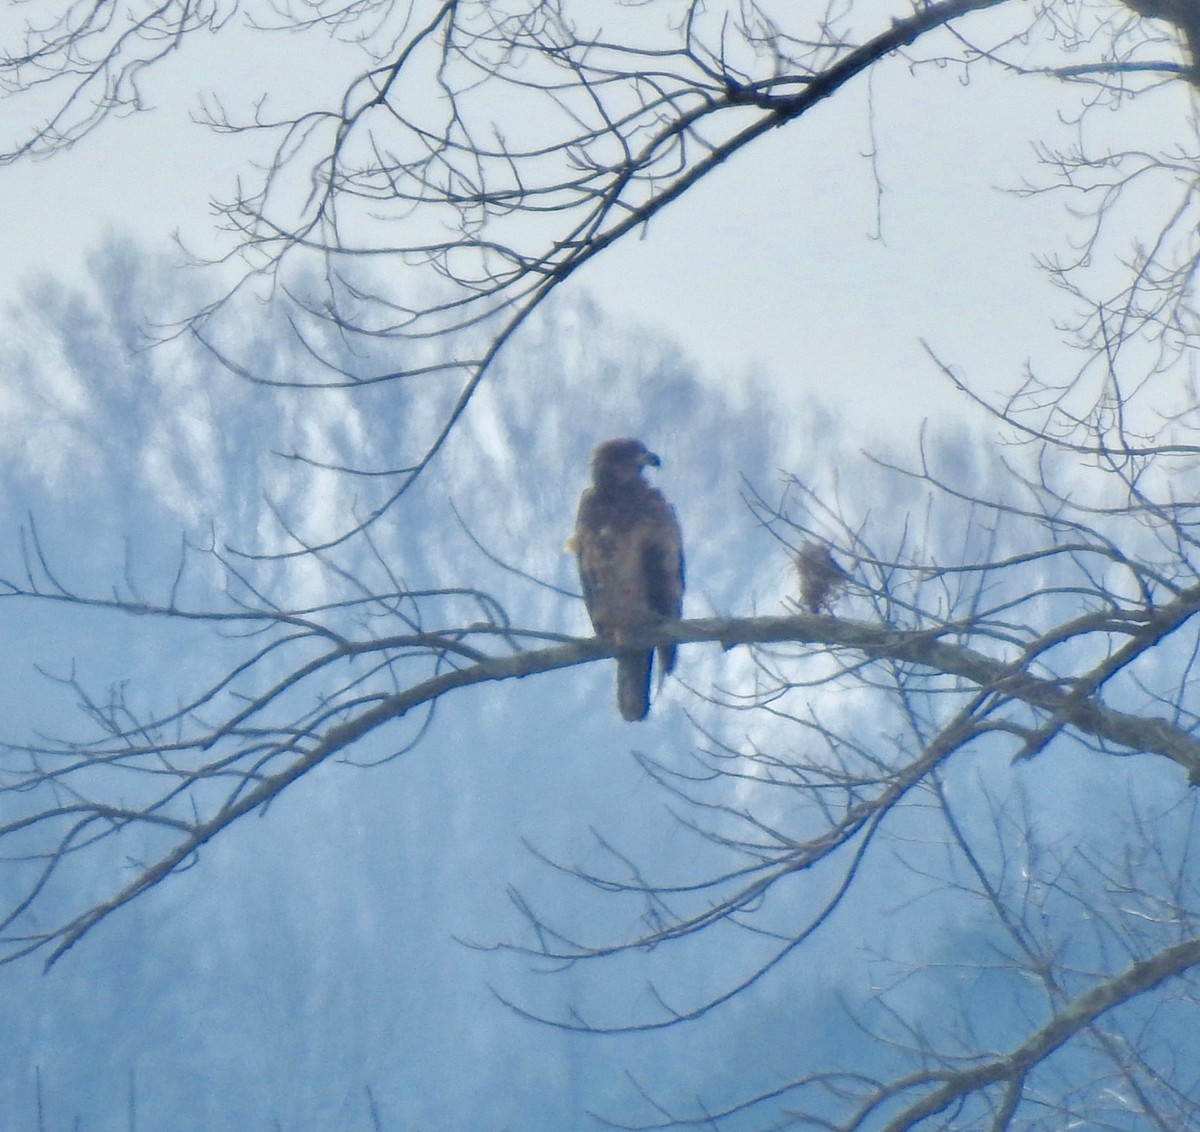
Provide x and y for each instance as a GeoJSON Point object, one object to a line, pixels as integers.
{"type": "Point", "coordinates": [630, 555]}
{"type": "Point", "coordinates": [1185, 16]}
{"type": "Point", "coordinates": [821, 578]}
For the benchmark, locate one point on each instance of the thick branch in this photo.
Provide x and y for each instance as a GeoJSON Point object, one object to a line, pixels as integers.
{"type": "Point", "coordinates": [1076, 1016]}
{"type": "Point", "coordinates": [1141, 734]}
{"type": "Point", "coordinates": [1135, 733]}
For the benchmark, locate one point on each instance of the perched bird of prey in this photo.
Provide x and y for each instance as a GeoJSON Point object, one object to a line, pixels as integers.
{"type": "Point", "coordinates": [1185, 15]}
{"type": "Point", "coordinates": [821, 578]}
{"type": "Point", "coordinates": [630, 562]}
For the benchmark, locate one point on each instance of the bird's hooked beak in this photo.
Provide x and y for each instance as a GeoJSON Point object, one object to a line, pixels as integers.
{"type": "Point", "coordinates": [651, 460]}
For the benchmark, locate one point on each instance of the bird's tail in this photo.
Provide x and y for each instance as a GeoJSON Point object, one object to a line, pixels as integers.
{"type": "Point", "coordinates": [633, 684]}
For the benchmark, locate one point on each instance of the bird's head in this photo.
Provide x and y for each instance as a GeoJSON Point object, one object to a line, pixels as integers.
{"type": "Point", "coordinates": [621, 460]}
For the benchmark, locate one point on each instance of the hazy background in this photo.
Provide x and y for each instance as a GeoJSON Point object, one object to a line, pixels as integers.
{"type": "Point", "coordinates": [311, 968]}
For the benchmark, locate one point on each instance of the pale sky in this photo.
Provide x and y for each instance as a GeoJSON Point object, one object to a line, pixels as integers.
{"type": "Point", "coordinates": [767, 267]}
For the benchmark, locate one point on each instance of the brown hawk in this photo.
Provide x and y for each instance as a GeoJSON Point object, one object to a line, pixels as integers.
{"type": "Point", "coordinates": [821, 578]}
{"type": "Point", "coordinates": [630, 563]}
